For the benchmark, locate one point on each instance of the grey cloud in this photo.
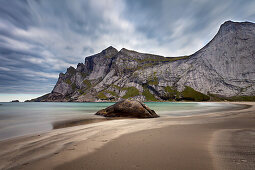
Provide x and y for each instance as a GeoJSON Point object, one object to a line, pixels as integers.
{"type": "Point", "coordinates": [40, 38]}
{"type": "Point", "coordinates": [88, 50]}
{"type": "Point", "coordinates": [16, 12]}
{"type": "Point", "coordinates": [192, 21]}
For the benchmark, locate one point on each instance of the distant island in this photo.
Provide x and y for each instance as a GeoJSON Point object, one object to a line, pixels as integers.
{"type": "Point", "coordinates": [222, 70]}
{"type": "Point", "coordinates": [15, 101]}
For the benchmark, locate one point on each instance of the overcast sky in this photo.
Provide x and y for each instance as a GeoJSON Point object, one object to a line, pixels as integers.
{"type": "Point", "coordinates": [40, 39]}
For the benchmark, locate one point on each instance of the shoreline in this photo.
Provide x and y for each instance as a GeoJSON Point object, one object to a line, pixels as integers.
{"type": "Point", "coordinates": [48, 125]}
{"type": "Point", "coordinates": [163, 101]}
{"type": "Point", "coordinates": [67, 145]}
{"type": "Point", "coordinates": [216, 145]}
{"type": "Point", "coordinates": [77, 122]}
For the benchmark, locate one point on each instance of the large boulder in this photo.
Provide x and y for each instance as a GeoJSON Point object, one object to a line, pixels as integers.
{"type": "Point", "coordinates": [128, 108]}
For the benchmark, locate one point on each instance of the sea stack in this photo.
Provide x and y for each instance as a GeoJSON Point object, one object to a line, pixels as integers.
{"type": "Point", "coordinates": [128, 108]}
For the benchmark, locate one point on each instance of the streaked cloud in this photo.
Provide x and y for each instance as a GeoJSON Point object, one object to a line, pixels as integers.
{"type": "Point", "coordinates": [41, 38]}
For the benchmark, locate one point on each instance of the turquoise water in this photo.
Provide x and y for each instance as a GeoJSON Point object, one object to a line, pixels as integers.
{"type": "Point", "coordinates": [17, 119]}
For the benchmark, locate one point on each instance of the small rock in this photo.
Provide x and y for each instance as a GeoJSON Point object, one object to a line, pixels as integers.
{"type": "Point", "coordinates": [15, 101]}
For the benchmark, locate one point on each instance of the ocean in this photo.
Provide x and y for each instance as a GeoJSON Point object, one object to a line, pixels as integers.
{"type": "Point", "coordinates": [18, 119]}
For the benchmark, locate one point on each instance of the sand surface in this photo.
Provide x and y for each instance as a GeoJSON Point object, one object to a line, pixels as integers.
{"type": "Point", "coordinates": [223, 140]}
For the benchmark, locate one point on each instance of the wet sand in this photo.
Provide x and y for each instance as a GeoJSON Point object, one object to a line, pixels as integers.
{"type": "Point", "coordinates": [175, 147]}
{"type": "Point", "coordinates": [78, 122]}
{"type": "Point", "coordinates": [223, 140]}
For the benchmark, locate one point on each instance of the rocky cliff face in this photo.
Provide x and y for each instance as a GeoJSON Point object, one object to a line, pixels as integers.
{"type": "Point", "coordinates": [225, 67]}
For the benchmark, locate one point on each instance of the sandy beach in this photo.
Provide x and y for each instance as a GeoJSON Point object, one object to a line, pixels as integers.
{"type": "Point", "coordinates": [221, 140]}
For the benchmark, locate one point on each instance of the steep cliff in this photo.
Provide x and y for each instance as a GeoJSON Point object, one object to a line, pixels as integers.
{"type": "Point", "coordinates": [224, 68]}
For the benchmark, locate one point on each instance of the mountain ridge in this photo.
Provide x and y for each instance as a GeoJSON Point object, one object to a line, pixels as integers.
{"type": "Point", "coordinates": [223, 69]}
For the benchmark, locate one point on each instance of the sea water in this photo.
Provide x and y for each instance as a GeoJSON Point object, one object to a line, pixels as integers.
{"type": "Point", "coordinates": [18, 119]}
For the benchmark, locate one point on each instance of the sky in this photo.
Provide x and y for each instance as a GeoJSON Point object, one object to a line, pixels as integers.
{"type": "Point", "coordinates": [41, 38]}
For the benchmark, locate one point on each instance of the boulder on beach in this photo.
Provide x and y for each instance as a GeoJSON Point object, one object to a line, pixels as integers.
{"type": "Point", "coordinates": [128, 108]}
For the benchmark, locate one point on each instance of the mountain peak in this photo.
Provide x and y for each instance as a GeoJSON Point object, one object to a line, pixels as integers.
{"type": "Point", "coordinates": [124, 49]}
{"type": "Point", "coordinates": [235, 26]}
{"type": "Point", "coordinates": [110, 50]}
{"type": "Point", "coordinates": [230, 22]}
{"type": "Point", "coordinates": [231, 25]}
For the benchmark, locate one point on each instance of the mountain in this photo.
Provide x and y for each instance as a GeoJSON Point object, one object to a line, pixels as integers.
{"type": "Point", "coordinates": [223, 69]}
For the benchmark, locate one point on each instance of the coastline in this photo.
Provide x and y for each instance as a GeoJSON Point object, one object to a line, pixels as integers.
{"type": "Point", "coordinates": [75, 146]}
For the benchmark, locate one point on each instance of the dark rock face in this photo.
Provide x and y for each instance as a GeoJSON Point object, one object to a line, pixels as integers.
{"type": "Point", "coordinates": [15, 101]}
{"type": "Point", "coordinates": [225, 67]}
{"type": "Point", "coordinates": [128, 108]}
